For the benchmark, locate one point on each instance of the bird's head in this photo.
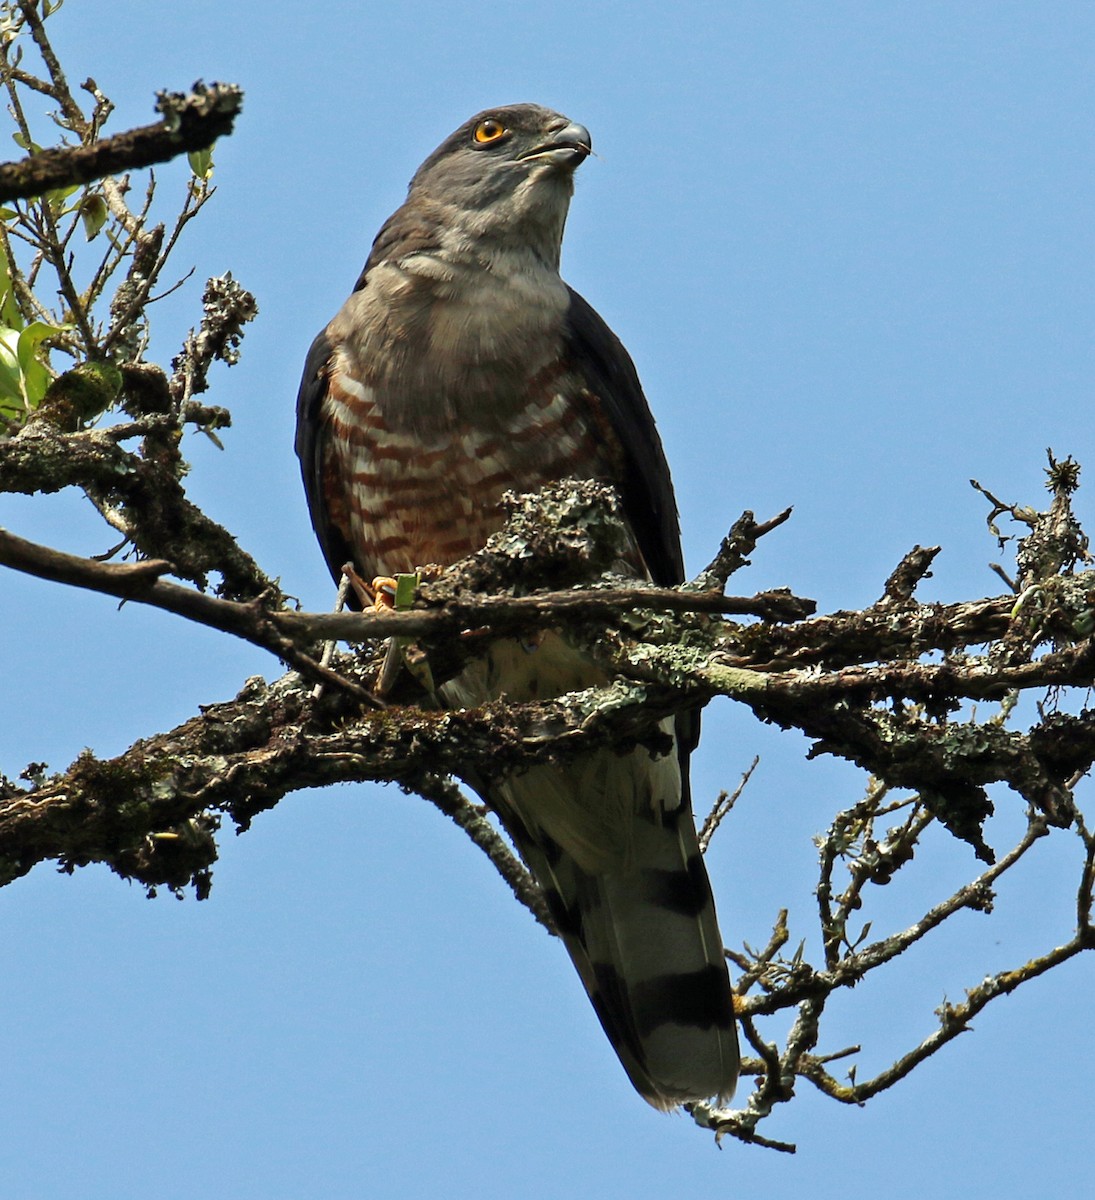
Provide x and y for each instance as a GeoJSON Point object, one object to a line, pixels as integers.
{"type": "Point", "coordinates": [506, 168]}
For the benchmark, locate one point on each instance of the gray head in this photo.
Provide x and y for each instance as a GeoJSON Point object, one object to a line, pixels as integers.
{"type": "Point", "coordinates": [492, 154]}
{"type": "Point", "coordinates": [507, 172]}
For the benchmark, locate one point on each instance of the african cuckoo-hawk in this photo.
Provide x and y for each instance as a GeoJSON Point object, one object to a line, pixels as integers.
{"type": "Point", "coordinates": [462, 366]}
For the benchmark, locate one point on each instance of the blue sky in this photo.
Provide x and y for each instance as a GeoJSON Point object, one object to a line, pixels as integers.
{"type": "Point", "coordinates": [850, 248]}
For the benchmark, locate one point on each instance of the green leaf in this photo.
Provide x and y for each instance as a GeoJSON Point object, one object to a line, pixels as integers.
{"type": "Point", "coordinates": [10, 316]}
{"type": "Point", "coordinates": [10, 412]}
{"type": "Point", "coordinates": [405, 588]}
{"type": "Point", "coordinates": [36, 375]}
{"type": "Point", "coordinates": [24, 377]}
{"type": "Point", "coordinates": [201, 163]}
{"type": "Point", "coordinates": [57, 197]}
{"type": "Point", "coordinates": [93, 213]}
{"type": "Point", "coordinates": [12, 401]}
{"type": "Point", "coordinates": [24, 143]}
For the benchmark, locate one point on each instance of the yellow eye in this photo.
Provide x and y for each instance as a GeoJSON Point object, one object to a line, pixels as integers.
{"type": "Point", "coordinates": [489, 130]}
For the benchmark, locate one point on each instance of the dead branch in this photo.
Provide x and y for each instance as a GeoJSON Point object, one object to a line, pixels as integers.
{"type": "Point", "coordinates": [191, 121]}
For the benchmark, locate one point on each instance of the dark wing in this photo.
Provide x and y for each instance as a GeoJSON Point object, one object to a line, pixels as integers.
{"type": "Point", "coordinates": [646, 490]}
{"type": "Point", "coordinates": [311, 449]}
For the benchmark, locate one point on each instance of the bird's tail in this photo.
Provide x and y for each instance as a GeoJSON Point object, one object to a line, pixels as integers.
{"type": "Point", "coordinates": [611, 840]}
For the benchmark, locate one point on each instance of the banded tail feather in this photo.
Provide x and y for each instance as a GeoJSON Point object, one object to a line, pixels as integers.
{"type": "Point", "coordinates": [638, 922]}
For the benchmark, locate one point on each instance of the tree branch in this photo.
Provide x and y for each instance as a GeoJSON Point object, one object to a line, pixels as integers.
{"type": "Point", "coordinates": [191, 121]}
{"type": "Point", "coordinates": [146, 487]}
{"type": "Point", "coordinates": [141, 582]}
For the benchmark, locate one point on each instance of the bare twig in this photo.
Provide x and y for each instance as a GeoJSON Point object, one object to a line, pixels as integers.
{"type": "Point", "coordinates": [914, 567]}
{"type": "Point", "coordinates": [733, 554]}
{"type": "Point", "coordinates": [722, 806]}
{"type": "Point", "coordinates": [141, 583]}
{"type": "Point", "coordinates": [495, 612]}
{"type": "Point", "coordinates": [59, 88]}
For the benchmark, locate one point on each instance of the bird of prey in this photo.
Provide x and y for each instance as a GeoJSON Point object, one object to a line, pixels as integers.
{"type": "Point", "coordinates": [462, 367]}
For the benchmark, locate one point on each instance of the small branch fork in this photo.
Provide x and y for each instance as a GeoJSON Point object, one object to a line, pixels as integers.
{"type": "Point", "coordinates": [794, 984]}
{"type": "Point", "coordinates": [141, 582]}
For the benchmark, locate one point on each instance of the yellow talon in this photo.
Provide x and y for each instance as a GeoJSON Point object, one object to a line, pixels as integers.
{"type": "Point", "coordinates": [383, 589]}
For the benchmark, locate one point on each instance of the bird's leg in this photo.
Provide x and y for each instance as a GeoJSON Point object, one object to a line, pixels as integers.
{"type": "Point", "coordinates": [383, 590]}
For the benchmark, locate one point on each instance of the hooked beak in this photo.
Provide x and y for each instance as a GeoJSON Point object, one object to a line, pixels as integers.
{"type": "Point", "coordinates": [566, 147]}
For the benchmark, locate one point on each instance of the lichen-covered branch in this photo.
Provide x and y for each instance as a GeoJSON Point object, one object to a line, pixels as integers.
{"type": "Point", "coordinates": [191, 121]}
{"type": "Point", "coordinates": [862, 686]}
